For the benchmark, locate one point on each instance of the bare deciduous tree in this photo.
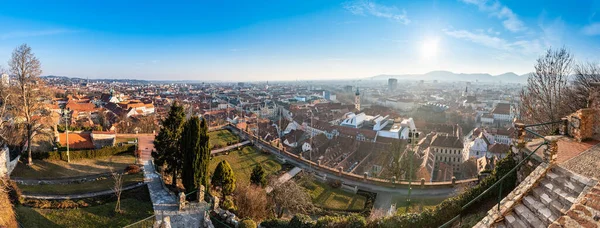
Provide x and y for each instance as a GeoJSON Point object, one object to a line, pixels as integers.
{"type": "Point", "coordinates": [582, 92]}
{"type": "Point", "coordinates": [118, 189]}
{"type": "Point", "coordinates": [544, 97]}
{"type": "Point", "coordinates": [251, 201]}
{"type": "Point", "coordinates": [289, 196]}
{"type": "Point", "coordinates": [5, 95]}
{"type": "Point", "coordinates": [29, 92]}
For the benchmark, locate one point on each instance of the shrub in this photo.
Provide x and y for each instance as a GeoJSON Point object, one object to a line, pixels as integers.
{"type": "Point", "coordinates": [274, 223]}
{"type": "Point", "coordinates": [247, 223]}
{"type": "Point", "coordinates": [81, 154]}
{"type": "Point", "coordinates": [228, 205]}
{"type": "Point", "coordinates": [301, 221]}
{"type": "Point", "coordinates": [350, 221]}
{"type": "Point", "coordinates": [14, 192]}
{"type": "Point", "coordinates": [64, 204]}
{"type": "Point", "coordinates": [451, 207]}
{"type": "Point", "coordinates": [335, 183]}
{"type": "Point", "coordinates": [132, 169]}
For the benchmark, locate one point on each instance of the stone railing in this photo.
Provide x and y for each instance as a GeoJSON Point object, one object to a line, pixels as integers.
{"type": "Point", "coordinates": [582, 124]}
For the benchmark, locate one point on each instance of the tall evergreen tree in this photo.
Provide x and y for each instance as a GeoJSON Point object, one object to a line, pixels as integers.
{"type": "Point", "coordinates": [224, 178]}
{"type": "Point", "coordinates": [201, 168]}
{"type": "Point", "coordinates": [190, 147]}
{"type": "Point", "coordinates": [258, 176]}
{"type": "Point", "coordinates": [166, 142]}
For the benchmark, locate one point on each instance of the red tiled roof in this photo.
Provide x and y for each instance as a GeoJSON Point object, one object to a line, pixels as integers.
{"type": "Point", "coordinates": [502, 108]}
{"type": "Point", "coordinates": [77, 140]}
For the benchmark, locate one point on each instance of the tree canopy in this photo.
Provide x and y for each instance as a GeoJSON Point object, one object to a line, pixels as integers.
{"type": "Point", "coordinates": [224, 178]}
{"type": "Point", "coordinates": [167, 141]}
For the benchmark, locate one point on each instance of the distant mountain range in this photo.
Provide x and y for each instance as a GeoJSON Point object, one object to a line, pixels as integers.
{"type": "Point", "coordinates": [509, 77]}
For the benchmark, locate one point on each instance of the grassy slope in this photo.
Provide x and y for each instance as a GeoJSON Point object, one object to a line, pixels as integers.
{"type": "Point", "coordinates": [325, 196]}
{"type": "Point", "coordinates": [242, 162]}
{"type": "Point", "coordinates": [221, 138]}
{"type": "Point", "coordinates": [96, 216]}
{"type": "Point", "coordinates": [80, 167]}
{"type": "Point", "coordinates": [93, 186]}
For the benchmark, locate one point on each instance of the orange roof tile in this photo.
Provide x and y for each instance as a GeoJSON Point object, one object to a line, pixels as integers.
{"type": "Point", "coordinates": [77, 140]}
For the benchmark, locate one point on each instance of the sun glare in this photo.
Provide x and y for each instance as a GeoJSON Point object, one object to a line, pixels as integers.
{"type": "Point", "coordinates": [429, 47]}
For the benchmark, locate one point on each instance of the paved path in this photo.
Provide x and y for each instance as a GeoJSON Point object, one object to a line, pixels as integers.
{"type": "Point", "coordinates": [163, 202]}
{"type": "Point", "coordinates": [228, 148]}
{"type": "Point", "coordinates": [78, 196]}
{"type": "Point", "coordinates": [586, 164]}
{"type": "Point", "coordinates": [382, 203]}
{"type": "Point", "coordinates": [285, 177]}
{"type": "Point", "coordinates": [63, 180]}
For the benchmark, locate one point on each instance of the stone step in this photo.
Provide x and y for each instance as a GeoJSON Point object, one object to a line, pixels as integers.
{"type": "Point", "coordinates": [555, 206]}
{"type": "Point", "coordinates": [528, 217]}
{"type": "Point", "coordinates": [512, 221]}
{"type": "Point", "coordinates": [565, 183]}
{"type": "Point", "coordinates": [576, 178]}
{"type": "Point", "coordinates": [556, 193]}
{"type": "Point", "coordinates": [543, 212]}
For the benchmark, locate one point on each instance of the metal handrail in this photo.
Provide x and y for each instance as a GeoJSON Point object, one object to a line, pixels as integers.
{"type": "Point", "coordinates": [501, 180]}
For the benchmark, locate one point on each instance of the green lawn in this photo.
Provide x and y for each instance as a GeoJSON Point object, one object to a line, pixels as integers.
{"type": "Point", "coordinates": [95, 216]}
{"type": "Point", "coordinates": [92, 186]}
{"type": "Point", "coordinates": [418, 204]}
{"type": "Point", "coordinates": [80, 167]}
{"type": "Point", "coordinates": [243, 161]}
{"type": "Point", "coordinates": [326, 196]}
{"type": "Point", "coordinates": [220, 138]}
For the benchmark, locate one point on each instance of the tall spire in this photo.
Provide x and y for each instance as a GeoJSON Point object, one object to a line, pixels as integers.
{"type": "Point", "coordinates": [357, 99]}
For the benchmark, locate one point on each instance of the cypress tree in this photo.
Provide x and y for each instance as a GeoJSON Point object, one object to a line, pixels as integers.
{"type": "Point", "coordinates": [201, 168]}
{"type": "Point", "coordinates": [190, 146]}
{"type": "Point", "coordinates": [166, 142]}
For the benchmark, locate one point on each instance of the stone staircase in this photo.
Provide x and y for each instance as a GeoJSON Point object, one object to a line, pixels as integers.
{"type": "Point", "coordinates": [547, 201]}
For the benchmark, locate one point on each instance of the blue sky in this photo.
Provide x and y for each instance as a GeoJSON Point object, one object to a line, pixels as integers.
{"type": "Point", "coordinates": [289, 40]}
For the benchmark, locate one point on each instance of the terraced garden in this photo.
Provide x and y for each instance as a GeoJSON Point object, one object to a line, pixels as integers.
{"type": "Point", "coordinates": [85, 187]}
{"type": "Point", "coordinates": [42, 169]}
{"type": "Point", "coordinates": [134, 208]}
{"type": "Point", "coordinates": [243, 161]}
{"type": "Point", "coordinates": [222, 138]}
{"type": "Point", "coordinates": [327, 197]}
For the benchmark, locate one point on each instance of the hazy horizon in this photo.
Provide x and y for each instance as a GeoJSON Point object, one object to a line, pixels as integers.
{"type": "Point", "coordinates": [286, 41]}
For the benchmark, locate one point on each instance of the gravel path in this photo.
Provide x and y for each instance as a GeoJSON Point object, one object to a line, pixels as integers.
{"type": "Point", "coordinates": [586, 164]}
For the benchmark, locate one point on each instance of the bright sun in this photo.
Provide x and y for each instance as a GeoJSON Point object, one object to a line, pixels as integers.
{"type": "Point", "coordinates": [429, 48]}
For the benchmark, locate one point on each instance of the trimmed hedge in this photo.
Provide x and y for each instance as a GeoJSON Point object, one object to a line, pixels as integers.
{"type": "Point", "coordinates": [81, 154]}
{"type": "Point", "coordinates": [301, 221]}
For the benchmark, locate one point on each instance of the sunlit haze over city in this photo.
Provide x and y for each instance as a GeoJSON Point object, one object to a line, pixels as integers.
{"type": "Point", "coordinates": [291, 40]}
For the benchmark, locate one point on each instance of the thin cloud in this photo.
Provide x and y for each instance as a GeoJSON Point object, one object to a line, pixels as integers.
{"type": "Point", "coordinates": [25, 34]}
{"type": "Point", "coordinates": [520, 46]}
{"type": "Point", "coordinates": [368, 8]}
{"type": "Point", "coordinates": [510, 20]}
{"type": "Point", "coordinates": [592, 29]}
